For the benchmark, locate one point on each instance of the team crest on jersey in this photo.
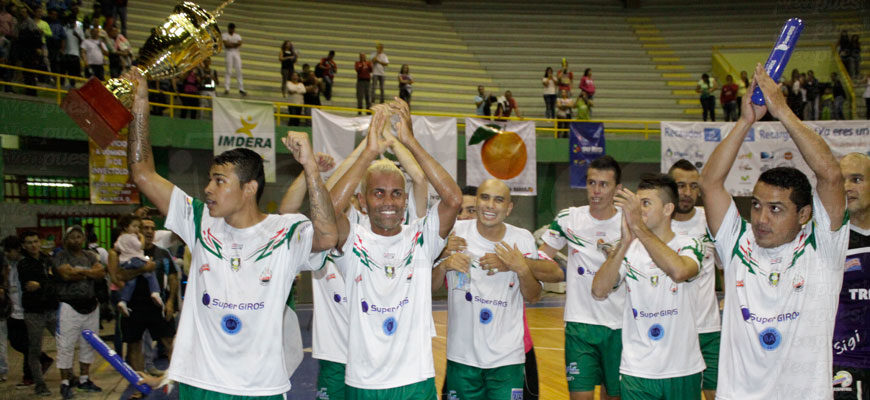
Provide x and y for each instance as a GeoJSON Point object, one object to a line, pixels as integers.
{"type": "Point", "coordinates": [770, 338]}
{"type": "Point", "coordinates": [773, 279]}
{"type": "Point", "coordinates": [266, 276]}
{"type": "Point", "coordinates": [236, 263]}
{"type": "Point", "coordinates": [516, 393]}
{"type": "Point", "coordinates": [654, 280]}
{"type": "Point", "coordinates": [390, 271]}
{"type": "Point", "coordinates": [231, 324]}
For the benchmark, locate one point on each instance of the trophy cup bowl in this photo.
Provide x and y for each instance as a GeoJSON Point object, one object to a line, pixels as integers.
{"type": "Point", "coordinates": [184, 39]}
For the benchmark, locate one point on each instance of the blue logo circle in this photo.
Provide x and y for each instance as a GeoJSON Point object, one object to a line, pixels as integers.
{"type": "Point", "coordinates": [336, 297]}
{"type": "Point", "coordinates": [365, 306]}
{"type": "Point", "coordinates": [206, 299]}
{"type": "Point", "coordinates": [656, 332]}
{"type": "Point", "coordinates": [390, 326]}
{"type": "Point", "coordinates": [467, 296]}
{"type": "Point", "coordinates": [485, 316]}
{"type": "Point", "coordinates": [231, 324]}
{"type": "Point", "coordinates": [580, 270]}
{"type": "Point", "coordinates": [770, 338]}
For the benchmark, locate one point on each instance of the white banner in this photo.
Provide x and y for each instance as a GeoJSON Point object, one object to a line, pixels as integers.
{"type": "Point", "coordinates": [511, 158]}
{"type": "Point", "coordinates": [239, 123]}
{"type": "Point", "coordinates": [338, 136]}
{"type": "Point", "coordinates": [767, 145]}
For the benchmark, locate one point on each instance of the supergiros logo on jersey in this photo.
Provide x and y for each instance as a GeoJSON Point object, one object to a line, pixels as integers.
{"type": "Point", "coordinates": [751, 317]}
{"type": "Point", "coordinates": [366, 307]}
{"type": "Point", "coordinates": [217, 303]}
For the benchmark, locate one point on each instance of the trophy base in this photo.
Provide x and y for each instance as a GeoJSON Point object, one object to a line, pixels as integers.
{"type": "Point", "coordinates": [94, 109]}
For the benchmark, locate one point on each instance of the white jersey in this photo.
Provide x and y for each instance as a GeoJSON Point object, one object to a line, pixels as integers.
{"type": "Point", "coordinates": [485, 312]}
{"type": "Point", "coordinates": [329, 327]}
{"type": "Point", "coordinates": [234, 38]}
{"type": "Point", "coordinates": [659, 338]}
{"type": "Point", "coordinates": [388, 282]}
{"type": "Point", "coordinates": [586, 236]}
{"type": "Point", "coordinates": [780, 309]}
{"type": "Point", "coordinates": [704, 285]}
{"type": "Point", "coordinates": [228, 338]}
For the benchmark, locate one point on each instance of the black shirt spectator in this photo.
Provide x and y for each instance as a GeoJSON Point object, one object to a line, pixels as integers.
{"type": "Point", "coordinates": [37, 270]}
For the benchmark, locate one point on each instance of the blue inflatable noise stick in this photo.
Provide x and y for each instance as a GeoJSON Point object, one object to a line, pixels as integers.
{"type": "Point", "coordinates": [115, 360]}
{"type": "Point", "coordinates": [780, 54]}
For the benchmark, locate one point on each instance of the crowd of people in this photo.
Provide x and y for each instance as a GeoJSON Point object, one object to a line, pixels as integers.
{"type": "Point", "coordinates": [60, 291]}
{"type": "Point", "coordinates": [849, 49]}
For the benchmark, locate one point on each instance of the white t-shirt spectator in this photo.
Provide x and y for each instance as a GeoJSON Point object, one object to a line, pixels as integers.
{"type": "Point", "coordinates": [378, 67]}
{"type": "Point", "coordinates": [73, 44]}
{"type": "Point", "coordinates": [94, 51]}
{"type": "Point", "coordinates": [234, 38]}
{"type": "Point", "coordinates": [296, 92]}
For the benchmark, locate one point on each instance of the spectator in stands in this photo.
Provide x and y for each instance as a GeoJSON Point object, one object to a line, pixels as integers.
{"type": "Point", "coordinates": [706, 86]}
{"type": "Point", "coordinates": [121, 14]}
{"type": "Point", "coordinates": [209, 82]}
{"type": "Point", "coordinates": [364, 70]}
{"type": "Point", "coordinates": [77, 271]}
{"type": "Point", "coordinates": [380, 61]}
{"type": "Point", "coordinates": [120, 53]}
{"type": "Point", "coordinates": [327, 69]}
{"type": "Point", "coordinates": [795, 97]}
{"type": "Point", "coordinates": [8, 34]}
{"type": "Point", "coordinates": [38, 13]}
{"type": "Point", "coordinates": [565, 77]}
{"type": "Point", "coordinates": [742, 84]}
{"type": "Point", "coordinates": [855, 59]}
{"type": "Point", "coordinates": [584, 107]}
{"type": "Point", "coordinates": [866, 96]}
{"type": "Point", "coordinates": [587, 85]}
{"type": "Point", "coordinates": [95, 18]}
{"type": "Point", "coordinates": [728, 99]}
{"type": "Point", "coordinates": [814, 94]}
{"type": "Point", "coordinates": [29, 48]}
{"type": "Point", "coordinates": [297, 96]}
{"type": "Point", "coordinates": [94, 50]}
{"type": "Point", "coordinates": [549, 82]}
{"type": "Point", "coordinates": [826, 103]}
{"type": "Point", "coordinates": [39, 300]}
{"type": "Point", "coordinates": [288, 57]}
{"type": "Point", "coordinates": [844, 50]}
{"type": "Point", "coordinates": [839, 97]}
{"type": "Point", "coordinates": [232, 43]}
{"type": "Point", "coordinates": [405, 84]}
{"type": "Point", "coordinates": [55, 42]}
{"type": "Point", "coordinates": [71, 62]}
{"type": "Point", "coordinates": [190, 85]}
{"type": "Point", "coordinates": [507, 105]}
{"type": "Point", "coordinates": [312, 88]}
{"type": "Point", "coordinates": [483, 102]}
{"type": "Point", "coordinates": [564, 108]}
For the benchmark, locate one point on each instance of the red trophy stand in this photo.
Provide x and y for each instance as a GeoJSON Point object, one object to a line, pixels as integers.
{"type": "Point", "coordinates": [94, 109]}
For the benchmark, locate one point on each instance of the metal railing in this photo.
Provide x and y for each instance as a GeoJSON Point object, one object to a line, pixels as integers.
{"type": "Point", "coordinates": [543, 126]}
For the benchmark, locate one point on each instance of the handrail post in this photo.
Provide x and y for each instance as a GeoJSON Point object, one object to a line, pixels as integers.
{"type": "Point", "coordinates": [57, 86]}
{"type": "Point", "coordinates": [171, 104]}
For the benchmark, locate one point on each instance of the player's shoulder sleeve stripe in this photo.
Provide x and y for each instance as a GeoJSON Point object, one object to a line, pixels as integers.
{"type": "Point", "coordinates": [197, 207]}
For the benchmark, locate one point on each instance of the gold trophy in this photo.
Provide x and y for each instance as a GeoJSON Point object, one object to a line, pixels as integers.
{"type": "Point", "coordinates": [184, 39]}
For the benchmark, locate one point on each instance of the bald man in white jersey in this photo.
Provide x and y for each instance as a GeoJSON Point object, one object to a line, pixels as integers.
{"type": "Point", "coordinates": [783, 269]}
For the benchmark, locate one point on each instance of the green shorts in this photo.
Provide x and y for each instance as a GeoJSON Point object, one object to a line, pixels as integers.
{"type": "Point", "coordinates": [710, 351]}
{"type": "Point", "coordinates": [330, 381]}
{"type": "Point", "coordinates": [187, 392]}
{"type": "Point", "coordinates": [592, 355]}
{"type": "Point", "coordinates": [424, 390]}
{"type": "Point", "coordinates": [465, 382]}
{"type": "Point", "coordinates": [679, 388]}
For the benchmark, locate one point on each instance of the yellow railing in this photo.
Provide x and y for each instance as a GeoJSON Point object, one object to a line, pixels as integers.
{"type": "Point", "coordinates": [543, 126]}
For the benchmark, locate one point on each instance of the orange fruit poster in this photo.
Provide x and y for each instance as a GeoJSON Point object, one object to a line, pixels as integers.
{"type": "Point", "coordinates": [502, 150]}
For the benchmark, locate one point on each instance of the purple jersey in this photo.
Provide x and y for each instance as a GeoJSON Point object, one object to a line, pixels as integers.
{"type": "Point", "coordinates": [852, 329]}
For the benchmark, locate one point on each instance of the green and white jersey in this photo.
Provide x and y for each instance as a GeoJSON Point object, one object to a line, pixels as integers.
{"type": "Point", "coordinates": [485, 312]}
{"type": "Point", "coordinates": [329, 321]}
{"type": "Point", "coordinates": [706, 305]}
{"type": "Point", "coordinates": [659, 338]}
{"type": "Point", "coordinates": [388, 282]}
{"type": "Point", "coordinates": [229, 335]}
{"type": "Point", "coordinates": [586, 238]}
{"type": "Point", "coordinates": [780, 309]}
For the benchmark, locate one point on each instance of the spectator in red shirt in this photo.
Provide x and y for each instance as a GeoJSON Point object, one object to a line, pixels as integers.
{"type": "Point", "coordinates": [728, 98]}
{"type": "Point", "coordinates": [363, 69]}
{"type": "Point", "coordinates": [586, 83]}
{"type": "Point", "coordinates": [506, 105]}
{"type": "Point", "coordinates": [328, 68]}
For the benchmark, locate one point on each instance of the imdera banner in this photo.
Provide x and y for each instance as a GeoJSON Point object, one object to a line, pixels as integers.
{"type": "Point", "coordinates": [502, 150]}
{"type": "Point", "coordinates": [248, 124]}
{"type": "Point", "coordinates": [108, 174]}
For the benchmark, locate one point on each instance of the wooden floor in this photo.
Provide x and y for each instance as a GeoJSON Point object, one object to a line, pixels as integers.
{"type": "Point", "coordinates": [548, 334]}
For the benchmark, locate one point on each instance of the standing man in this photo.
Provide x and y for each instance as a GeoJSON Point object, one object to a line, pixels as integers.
{"type": "Point", "coordinates": [232, 43]}
{"type": "Point", "coordinates": [692, 221]}
{"type": "Point", "coordinates": [328, 69]}
{"type": "Point", "coordinates": [379, 63]}
{"type": "Point", "coordinates": [481, 101]}
{"type": "Point", "coordinates": [784, 269]}
{"type": "Point", "coordinates": [364, 70]}
{"type": "Point", "coordinates": [593, 328]}
{"type": "Point", "coordinates": [661, 358]}
{"type": "Point", "coordinates": [39, 300]}
{"type": "Point", "coordinates": [77, 271]}
{"type": "Point", "coordinates": [851, 350]}
{"type": "Point", "coordinates": [387, 268]}
{"type": "Point", "coordinates": [487, 285]}
{"type": "Point", "coordinates": [243, 263]}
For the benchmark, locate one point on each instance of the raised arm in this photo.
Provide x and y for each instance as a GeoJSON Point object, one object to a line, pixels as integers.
{"type": "Point", "coordinates": [295, 194]}
{"type": "Point", "coordinates": [716, 197]}
{"type": "Point", "coordinates": [140, 160]}
{"type": "Point", "coordinates": [421, 184]}
{"type": "Point", "coordinates": [445, 186]}
{"type": "Point", "coordinates": [812, 147]}
{"type": "Point", "coordinates": [607, 276]}
{"type": "Point", "coordinates": [322, 215]}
